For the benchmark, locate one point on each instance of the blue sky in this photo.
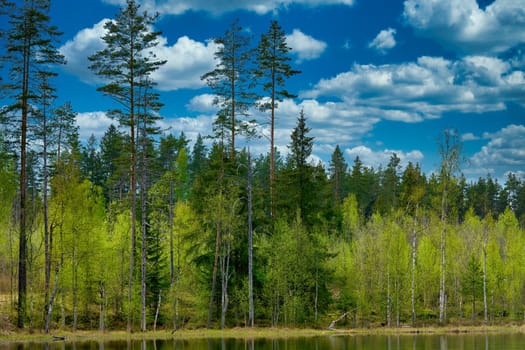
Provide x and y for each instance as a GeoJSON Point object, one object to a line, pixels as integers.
{"type": "Point", "coordinates": [377, 76]}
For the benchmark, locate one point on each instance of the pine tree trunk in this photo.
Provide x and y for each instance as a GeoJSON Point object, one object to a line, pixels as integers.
{"type": "Point", "coordinates": [47, 246]}
{"type": "Point", "coordinates": [272, 150]}
{"type": "Point", "coordinates": [144, 237]}
{"type": "Point", "coordinates": [225, 277]}
{"type": "Point", "coordinates": [133, 191]}
{"type": "Point", "coordinates": [250, 246]}
{"type": "Point", "coordinates": [22, 273]}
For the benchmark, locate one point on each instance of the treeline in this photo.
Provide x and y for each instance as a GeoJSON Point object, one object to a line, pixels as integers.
{"type": "Point", "coordinates": [139, 230]}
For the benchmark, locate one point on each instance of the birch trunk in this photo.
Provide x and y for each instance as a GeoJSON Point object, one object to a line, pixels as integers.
{"type": "Point", "coordinates": [485, 308]}
{"type": "Point", "coordinates": [413, 282]}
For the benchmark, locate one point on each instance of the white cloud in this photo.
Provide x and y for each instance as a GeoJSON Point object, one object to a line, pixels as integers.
{"type": "Point", "coordinates": [305, 46]}
{"type": "Point", "coordinates": [384, 41]}
{"type": "Point", "coordinates": [202, 103]}
{"type": "Point", "coordinates": [76, 51]}
{"type": "Point", "coordinates": [375, 159]}
{"type": "Point", "coordinates": [506, 147]}
{"type": "Point", "coordinates": [191, 126]}
{"type": "Point", "coordinates": [176, 7]}
{"type": "Point", "coordinates": [505, 151]}
{"type": "Point", "coordinates": [93, 123]}
{"type": "Point", "coordinates": [469, 137]}
{"type": "Point", "coordinates": [427, 88]}
{"type": "Point", "coordinates": [465, 27]}
{"type": "Point", "coordinates": [187, 59]}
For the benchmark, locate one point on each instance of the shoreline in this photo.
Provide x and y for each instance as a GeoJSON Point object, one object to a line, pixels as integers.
{"type": "Point", "coordinates": [248, 333]}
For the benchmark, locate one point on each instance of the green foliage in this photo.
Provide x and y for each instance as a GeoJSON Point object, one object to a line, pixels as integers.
{"type": "Point", "coordinates": [295, 274]}
{"type": "Point", "coordinates": [472, 282]}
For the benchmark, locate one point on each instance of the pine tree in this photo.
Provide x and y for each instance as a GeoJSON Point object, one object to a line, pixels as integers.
{"type": "Point", "coordinates": [232, 81]}
{"type": "Point", "coordinates": [273, 70]}
{"type": "Point", "coordinates": [127, 63]}
{"type": "Point", "coordinates": [31, 52]}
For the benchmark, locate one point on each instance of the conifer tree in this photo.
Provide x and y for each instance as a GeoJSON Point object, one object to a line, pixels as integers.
{"type": "Point", "coordinates": [338, 169]}
{"type": "Point", "coordinates": [31, 52]}
{"type": "Point", "coordinates": [232, 81]}
{"type": "Point", "coordinates": [273, 70]}
{"type": "Point", "coordinates": [127, 63]}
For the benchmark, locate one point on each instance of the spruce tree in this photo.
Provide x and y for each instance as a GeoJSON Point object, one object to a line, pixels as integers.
{"type": "Point", "coordinates": [338, 176]}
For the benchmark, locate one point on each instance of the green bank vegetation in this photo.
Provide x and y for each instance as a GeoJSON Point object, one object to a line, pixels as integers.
{"type": "Point", "coordinates": [250, 333]}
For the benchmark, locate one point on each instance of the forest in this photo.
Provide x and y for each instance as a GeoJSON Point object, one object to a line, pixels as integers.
{"type": "Point", "coordinates": [145, 230]}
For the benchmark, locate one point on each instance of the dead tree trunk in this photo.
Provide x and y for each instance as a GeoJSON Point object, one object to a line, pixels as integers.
{"type": "Point", "coordinates": [332, 324]}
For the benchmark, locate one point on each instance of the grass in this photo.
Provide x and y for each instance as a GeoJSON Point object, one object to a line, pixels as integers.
{"type": "Point", "coordinates": [249, 333]}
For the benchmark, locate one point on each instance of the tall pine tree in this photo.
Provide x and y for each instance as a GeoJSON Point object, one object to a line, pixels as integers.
{"type": "Point", "coordinates": [126, 63]}
{"type": "Point", "coordinates": [31, 52]}
{"type": "Point", "coordinates": [232, 81]}
{"type": "Point", "coordinates": [273, 70]}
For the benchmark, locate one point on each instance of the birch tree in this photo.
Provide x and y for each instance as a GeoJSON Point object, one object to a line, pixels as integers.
{"type": "Point", "coordinates": [450, 153]}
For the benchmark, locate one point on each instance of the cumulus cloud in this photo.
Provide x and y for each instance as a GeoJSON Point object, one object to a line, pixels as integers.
{"type": "Point", "coordinates": [504, 151]}
{"type": "Point", "coordinates": [76, 51]}
{"type": "Point", "coordinates": [378, 158]}
{"type": "Point", "coordinates": [187, 59]}
{"type": "Point", "coordinates": [469, 137]}
{"type": "Point", "coordinates": [305, 46]}
{"type": "Point", "coordinates": [427, 88]}
{"type": "Point", "coordinates": [202, 103]}
{"type": "Point", "coordinates": [176, 7]}
{"type": "Point", "coordinates": [465, 27]}
{"type": "Point", "coordinates": [384, 41]}
{"type": "Point", "coordinates": [191, 126]}
{"type": "Point", "coordinates": [93, 123]}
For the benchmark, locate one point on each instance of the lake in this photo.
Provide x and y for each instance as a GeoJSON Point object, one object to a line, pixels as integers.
{"type": "Point", "coordinates": [359, 342]}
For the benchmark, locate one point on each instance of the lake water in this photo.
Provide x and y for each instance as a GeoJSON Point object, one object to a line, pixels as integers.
{"type": "Point", "coordinates": [418, 342]}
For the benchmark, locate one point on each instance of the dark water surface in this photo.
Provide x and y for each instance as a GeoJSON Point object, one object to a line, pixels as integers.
{"type": "Point", "coordinates": [372, 342]}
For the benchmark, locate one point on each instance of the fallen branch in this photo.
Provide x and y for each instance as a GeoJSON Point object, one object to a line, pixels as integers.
{"type": "Point", "coordinates": [332, 324]}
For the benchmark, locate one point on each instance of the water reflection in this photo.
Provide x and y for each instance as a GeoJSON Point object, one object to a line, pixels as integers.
{"type": "Point", "coordinates": [365, 342]}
